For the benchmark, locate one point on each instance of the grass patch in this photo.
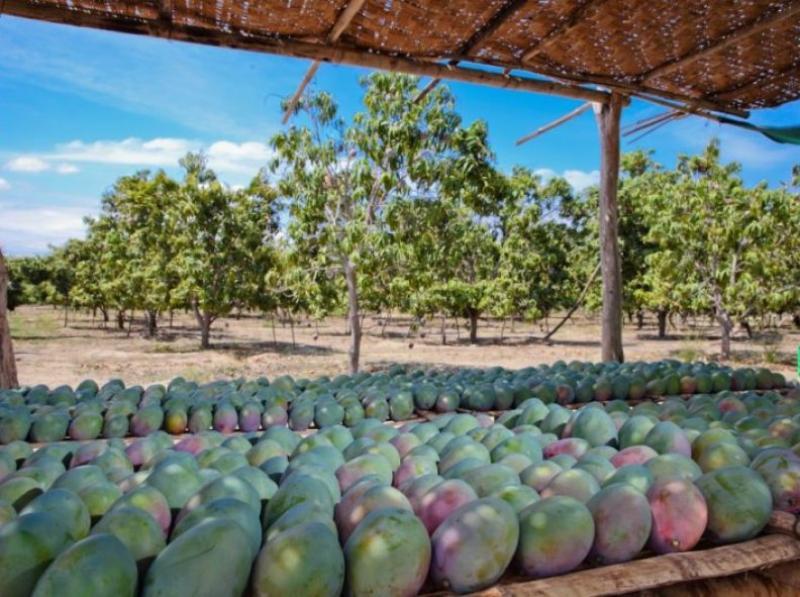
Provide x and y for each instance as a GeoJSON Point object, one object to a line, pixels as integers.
{"type": "Point", "coordinates": [35, 326]}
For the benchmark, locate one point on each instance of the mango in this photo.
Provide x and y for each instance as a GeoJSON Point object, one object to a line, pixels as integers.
{"type": "Point", "coordinates": [680, 515]}
{"type": "Point", "coordinates": [303, 560]}
{"type": "Point", "coordinates": [136, 529]}
{"type": "Point", "coordinates": [555, 536]}
{"type": "Point", "coordinates": [210, 560]}
{"type": "Point", "coordinates": [100, 565]}
{"type": "Point", "coordinates": [622, 522]}
{"type": "Point", "coordinates": [388, 554]}
{"type": "Point", "coordinates": [474, 545]}
{"type": "Point", "coordinates": [739, 503]}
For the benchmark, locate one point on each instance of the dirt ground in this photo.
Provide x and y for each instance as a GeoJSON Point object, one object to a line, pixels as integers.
{"type": "Point", "coordinates": [48, 352]}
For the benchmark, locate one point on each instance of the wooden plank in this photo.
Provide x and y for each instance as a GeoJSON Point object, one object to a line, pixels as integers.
{"type": "Point", "coordinates": [569, 23]}
{"type": "Point", "coordinates": [759, 80]}
{"type": "Point", "coordinates": [481, 35]}
{"type": "Point", "coordinates": [342, 22]}
{"type": "Point", "coordinates": [758, 26]}
{"type": "Point", "coordinates": [557, 122]}
{"type": "Point", "coordinates": [300, 49]}
{"type": "Point", "coordinates": [254, 41]}
{"type": "Point", "coordinates": [659, 571]}
{"type": "Point", "coordinates": [290, 107]}
{"type": "Point", "coordinates": [608, 119]}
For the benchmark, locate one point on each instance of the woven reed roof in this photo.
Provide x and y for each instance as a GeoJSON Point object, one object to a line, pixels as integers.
{"type": "Point", "coordinates": [731, 55]}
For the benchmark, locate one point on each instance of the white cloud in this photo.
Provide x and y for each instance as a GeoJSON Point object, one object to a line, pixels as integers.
{"type": "Point", "coordinates": [27, 163]}
{"type": "Point", "coordinates": [224, 157]}
{"type": "Point", "coordinates": [67, 169]}
{"type": "Point", "coordinates": [33, 230]}
{"type": "Point", "coordinates": [4, 184]}
{"type": "Point", "coordinates": [578, 179]}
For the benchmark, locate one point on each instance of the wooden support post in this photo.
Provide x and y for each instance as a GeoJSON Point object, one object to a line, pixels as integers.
{"type": "Point", "coordinates": [608, 120]}
{"type": "Point", "coordinates": [8, 366]}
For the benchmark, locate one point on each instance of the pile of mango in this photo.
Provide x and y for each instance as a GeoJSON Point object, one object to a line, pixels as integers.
{"type": "Point", "coordinates": [41, 414]}
{"type": "Point", "coordinates": [451, 503]}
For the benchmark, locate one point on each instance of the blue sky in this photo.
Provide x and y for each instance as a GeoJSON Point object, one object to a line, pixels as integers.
{"type": "Point", "coordinates": [80, 107]}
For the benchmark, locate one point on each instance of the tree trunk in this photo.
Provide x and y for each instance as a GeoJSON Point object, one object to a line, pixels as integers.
{"type": "Point", "coordinates": [291, 325]}
{"type": "Point", "coordinates": [747, 328]}
{"type": "Point", "coordinates": [639, 320]}
{"type": "Point", "coordinates": [502, 330]}
{"type": "Point", "coordinates": [354, 352]}
{"type": "Point", "coordinates": [152, 323]}
{"type": "Point", "coordinates": [66, 314]}
{"type": "Point", "coordinates": [204, 321]}
{"type": "Point", "coordinates": [171, 317]}
{"type": "Point", "coordinates": [444, 330]}
{"type": "Point", "coordinates": [121, 319]}
{"type": "Point", "coordinates": [8, 366]}
{"type": "Point", "coordinates": [608, 117]}
{"type": "Point", "coordinates": [130, 322]}
{"type": "Point", "coordinates": [104, 311]}
{"type": "Point", "coordinates": [796, 320]}
{"type": "Point", "coordinates": [473, 327]}
{"type": "Point", "coordinates": [274, 335]}
{"type": "Point", "coordinates": [726, 325]}
{"type": "Point", "coordinates": [662, 323]}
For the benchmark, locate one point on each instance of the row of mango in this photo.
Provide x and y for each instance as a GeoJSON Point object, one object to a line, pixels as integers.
{"type": "Point", "coordinates": [41, 414]}
{"type": "Point", "coordinates": [451, 503]}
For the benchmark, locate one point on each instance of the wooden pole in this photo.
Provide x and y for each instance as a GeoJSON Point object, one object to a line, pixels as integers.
{"type": "Point", "coordinates": [608, 120]}
{"type": "Point", "coordinates": [557, 122]}
{"type": "Point", "coordinates": [8, 366]}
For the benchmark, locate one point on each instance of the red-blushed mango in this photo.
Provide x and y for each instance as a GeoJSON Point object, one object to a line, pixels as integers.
{"type": "Point", "coordinates": [739, 503]}
{"type": "Point", "coordinates": [622, 522]}
{"type": "Point", "coordinates": [388, 554]}
{"type": "Point", "coordinates": [667, 438]}
{"type": "Point", "coordinates": [575, 483]}
{"type": "Point", "coordinates": [136, 529]}
{"type": "Point", "coordinates": [709, 438]}
{"type": "Point", "coordinates": [305, 560]}
{"type": "Point", "coordinates": [374, 498]}
{"type": "Point", "coordinates": [351, 497]}
{"type": "Point", "coordinates": [27, 546]}
{"type": "Point", "coordinates": [782, 475]}
{"type": "Point", "coordinates": [404, 443]}
{"type": "Point", "coordinates": [475, 544]}
{"type": "Point", "coordinates": [211, 559]}
{"type": "Point", "coordinates": [176, 421]}
{"type": "Point", "coordinates": [151, 500]}
{"type": "Point", "coordinates": [574, 446]}
{"type": "Point", "coordinates": [633, 455]}
{"type": "Point", "coordinates": [412, 467]}
{"type": "Point", "coordinates": [555, 536]}
{"type": "Point", "coordinates": [680, 515]}
{"type": "Point", "coordinates": [539, 475]}
{"type": "Point", "coordinates": [100, 566]}
{"type": "Point", "coordinates": [361, 466]}
{"type": "Point", "coordinates": [442, 500]}
{"type": "Point", "coordinates": [85, 426]}
{"type": "Point", "coordinates": [415, 489]}
{"type": "Point", "coordinates": [263, 451]}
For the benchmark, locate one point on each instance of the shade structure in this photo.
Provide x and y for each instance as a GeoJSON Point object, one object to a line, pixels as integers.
{"type": "Point", "coordinates": [733, 55]}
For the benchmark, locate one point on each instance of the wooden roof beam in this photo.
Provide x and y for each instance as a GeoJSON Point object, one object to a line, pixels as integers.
{"type": "Point", "coordinates": [482, 34]}
{"type": "Point", "coordinates": [569, 23]}
{"type": "Point", "coordinates": [731, 39]}
{"type": "Point", "coordinates": [342, 22]}
{"type": "Point", "coordinates": [557, 122]}
{"type": "Point", "coordinates": [758, 81]}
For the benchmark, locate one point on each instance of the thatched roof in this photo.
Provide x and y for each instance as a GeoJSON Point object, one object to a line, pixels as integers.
{"type": "Point", "coordinates": [725, 54]}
